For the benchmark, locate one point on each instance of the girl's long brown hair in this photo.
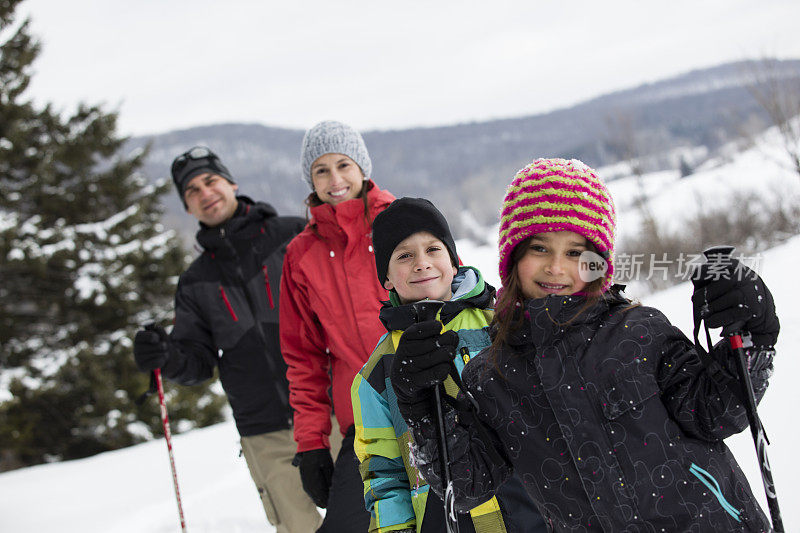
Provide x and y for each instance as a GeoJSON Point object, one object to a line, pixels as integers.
{"type": "Point", "coordinates": [509, 314]}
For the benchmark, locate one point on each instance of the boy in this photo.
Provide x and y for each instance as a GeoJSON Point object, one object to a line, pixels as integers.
{"type": "Point", "coordinates": [416, 259]}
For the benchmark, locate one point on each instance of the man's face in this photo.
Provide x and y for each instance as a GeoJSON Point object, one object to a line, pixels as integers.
{"type": "Point", "coordinates": [210, 198]}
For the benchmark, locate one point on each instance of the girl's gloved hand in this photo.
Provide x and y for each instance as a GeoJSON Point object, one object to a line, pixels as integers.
{"type": "Point", "coordinates": [423, 359]}
{"type": "Point", "coordinates": [730, 295]}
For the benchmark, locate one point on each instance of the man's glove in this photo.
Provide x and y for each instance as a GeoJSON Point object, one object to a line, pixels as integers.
{"type": "Point", "coordinates": [423, 360]}
{"type": "Point", "coordinates": [151, 348]}
{"type": "Point", "coordinates": [727, 294]}
{"type": "Point", "coordinates": [316, 472]}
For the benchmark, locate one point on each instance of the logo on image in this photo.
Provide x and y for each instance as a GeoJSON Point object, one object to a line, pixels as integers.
{"type": "Point", "coordinates": [591, 266]}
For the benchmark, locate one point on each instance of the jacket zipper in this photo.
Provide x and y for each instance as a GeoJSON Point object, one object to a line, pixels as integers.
{"type": "Point", "coordinates": [228, 303]}
{"type": "Point", "coordinates": [712, 485]}
{"type": "Point", "coordinates": [269, 290]}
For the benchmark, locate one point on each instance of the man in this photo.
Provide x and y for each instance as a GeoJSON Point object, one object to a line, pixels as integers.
{"type": "Point", "coordinates": [226, 315]}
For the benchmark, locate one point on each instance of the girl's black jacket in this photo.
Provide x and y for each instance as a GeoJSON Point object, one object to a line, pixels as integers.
{"type": "Point", "coordinates": [226, 316]}
{"type": "Point", "coordinates": [613, 421]}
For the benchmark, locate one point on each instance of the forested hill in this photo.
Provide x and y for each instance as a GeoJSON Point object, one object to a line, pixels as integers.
{"type": "Point", "coordinates": [466, 167]}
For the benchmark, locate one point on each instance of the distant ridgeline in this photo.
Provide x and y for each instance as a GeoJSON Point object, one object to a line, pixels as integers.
{"type": "Point", "coordinates": [674, 123]}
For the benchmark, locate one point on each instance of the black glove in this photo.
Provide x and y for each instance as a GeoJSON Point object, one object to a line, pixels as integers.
{"type": "Point", "coordinates": [423, 360]}
{"type": "Point", "coordinates": [316, 471]}
{"type": "Point", "coordinates": [731, 296]}
{"type": "Point", "coordinates": [151, 348]}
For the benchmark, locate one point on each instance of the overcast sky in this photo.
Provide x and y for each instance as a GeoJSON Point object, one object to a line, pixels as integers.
{"type": "Point", "coordinates": [168, 64]}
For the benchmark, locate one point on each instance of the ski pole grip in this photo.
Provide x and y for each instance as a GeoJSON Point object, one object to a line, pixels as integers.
{"type": "Point", "coordinates": [722, 254]}
{"type": "Point", "coordinates": [427, 309]}
{"type": "Point", "coordinates": [152, 326]}
{"type": "Point", "coordinates": [716, 254]}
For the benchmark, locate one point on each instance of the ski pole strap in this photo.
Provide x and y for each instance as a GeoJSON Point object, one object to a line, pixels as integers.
{"type": "Point", "coordinates": [713, 367]}
{"type": "Point", "coordinates": [698, 319]}
{"type": "Point", "coordinates": [146, 394]}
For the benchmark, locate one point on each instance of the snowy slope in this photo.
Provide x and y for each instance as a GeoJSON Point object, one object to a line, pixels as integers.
{"type": "Point", "coordinates": [130, 490]}
{"type": "Point", "coordinates": [763, 169]}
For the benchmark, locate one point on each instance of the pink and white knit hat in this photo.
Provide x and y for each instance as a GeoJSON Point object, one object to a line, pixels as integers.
{"type": "Point", "coordinates": [557, 195]}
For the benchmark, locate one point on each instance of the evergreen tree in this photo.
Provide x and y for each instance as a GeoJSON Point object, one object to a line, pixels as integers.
{"type": "Point", "coordinates": [84, 262]}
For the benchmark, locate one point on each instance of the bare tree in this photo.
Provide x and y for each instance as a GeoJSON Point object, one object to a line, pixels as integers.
{"type": "Point", "coordinates": [776, 88]}
{"type": "Point", "coordinates": [628, 143]}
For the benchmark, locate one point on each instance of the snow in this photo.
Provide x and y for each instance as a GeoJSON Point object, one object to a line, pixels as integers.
{"type": "Point", "coordinates": [131, 490]}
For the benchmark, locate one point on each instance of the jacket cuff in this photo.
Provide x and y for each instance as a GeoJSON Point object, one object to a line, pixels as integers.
{"type": "Point", "coordinates": [318, 443]}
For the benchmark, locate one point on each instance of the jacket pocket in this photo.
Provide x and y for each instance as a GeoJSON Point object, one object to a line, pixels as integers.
{"type": "Point", "coordinates": [627, 393]}
{"type": "Point", "coordinates": [712, 485]}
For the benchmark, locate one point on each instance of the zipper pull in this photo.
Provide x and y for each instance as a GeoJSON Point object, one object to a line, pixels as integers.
{"type": "Point", "coordinates": [269, 290]}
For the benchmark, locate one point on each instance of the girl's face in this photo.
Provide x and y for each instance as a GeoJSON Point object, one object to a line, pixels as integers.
{"type": "Point", "coordinates": [550, 264]}
{"type": "Point", "coordinates": [336, 178]}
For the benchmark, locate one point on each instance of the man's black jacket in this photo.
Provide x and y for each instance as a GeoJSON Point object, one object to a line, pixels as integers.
{"type": "Point", "coordinates": [226, 315]}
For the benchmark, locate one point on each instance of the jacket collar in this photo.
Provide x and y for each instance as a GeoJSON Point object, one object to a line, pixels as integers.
{"type": "Point", "coordinates": [349, 214]}
{"type": "Point", "coordinates": [469, 288]}
{"type": "Point", "coordinates": [544, 317]}
{"type": "Point", "coordinates": [245, 223]}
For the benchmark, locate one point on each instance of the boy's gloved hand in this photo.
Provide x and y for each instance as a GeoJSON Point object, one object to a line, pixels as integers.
{"type": "Point", "coordinates": [316, 472]}
{"type": "Point", "coordinates": [151, 348]}
{"type": "Point", "coordinates": [730, 294]}
{"type": "Point", "coordinates": [422, 361]}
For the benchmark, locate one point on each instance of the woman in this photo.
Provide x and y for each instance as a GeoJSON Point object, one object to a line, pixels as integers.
{"type": "Point", "coordinates": [329, 306]}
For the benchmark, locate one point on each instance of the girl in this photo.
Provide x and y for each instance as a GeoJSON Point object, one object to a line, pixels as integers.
{"type": "Point", "coordinates": [329, 305]}
{"type": "Point", "coordinates": [612, 418]}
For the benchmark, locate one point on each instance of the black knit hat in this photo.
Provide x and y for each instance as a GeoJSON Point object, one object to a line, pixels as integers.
{"type": "Point", "coordinates": [403, 218]}
{"type": "Point", "coordinates": [193, 162]}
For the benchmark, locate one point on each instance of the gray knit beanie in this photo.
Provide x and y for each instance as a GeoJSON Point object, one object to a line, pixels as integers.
{"type": "Point", "coordinates": [331, 137]}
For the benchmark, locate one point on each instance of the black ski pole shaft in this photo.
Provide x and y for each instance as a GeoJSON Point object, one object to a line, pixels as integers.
{"type": "Point", "coordinates": [757, 430]}
{"type": "Point", "coordinates": [427, 310]}
{"type": "Point", "coordinates": [718, 254]}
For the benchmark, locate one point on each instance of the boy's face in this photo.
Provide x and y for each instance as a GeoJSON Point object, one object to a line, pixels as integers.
{"type": "Point", "coordinates": [419, 268]}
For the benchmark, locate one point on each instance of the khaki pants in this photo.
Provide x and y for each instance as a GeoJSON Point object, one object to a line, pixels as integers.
{"type": "Point", "coordinates": [269, 458]}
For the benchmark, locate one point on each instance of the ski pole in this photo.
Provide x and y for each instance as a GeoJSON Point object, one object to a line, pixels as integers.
{"type": "Point", "coordinates": [157, 383]}
{"type": "Point", "coordinates": [426, 310]}
{"type": "Point", "coordinates": [168, 438]}
{"type": "Point", "coordinates": [734, 334]}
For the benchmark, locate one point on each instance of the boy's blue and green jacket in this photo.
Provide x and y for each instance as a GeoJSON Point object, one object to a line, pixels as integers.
{"type": "Point", "coordinates": [394, 491]}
